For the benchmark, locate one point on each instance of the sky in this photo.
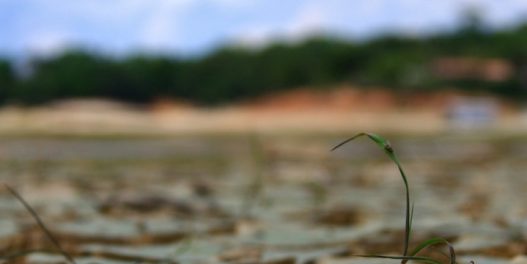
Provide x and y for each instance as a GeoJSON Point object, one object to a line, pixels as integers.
{"type": "Point", "coordinates": [42, 27]}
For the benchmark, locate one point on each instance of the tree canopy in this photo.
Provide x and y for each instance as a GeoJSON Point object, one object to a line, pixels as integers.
{"type": "Point", "coordinates": [235, 73]}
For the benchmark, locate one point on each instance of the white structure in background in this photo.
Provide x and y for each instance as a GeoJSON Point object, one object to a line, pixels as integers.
{"type": "Point", "coordinates": [472, 113]}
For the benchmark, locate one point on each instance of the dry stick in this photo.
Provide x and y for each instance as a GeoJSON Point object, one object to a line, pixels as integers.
{"type": "Point", "coordinates": [40, 224]}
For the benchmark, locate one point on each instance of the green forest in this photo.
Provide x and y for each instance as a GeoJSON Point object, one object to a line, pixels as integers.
{"type": "Point", "coordinates": [234, 73]}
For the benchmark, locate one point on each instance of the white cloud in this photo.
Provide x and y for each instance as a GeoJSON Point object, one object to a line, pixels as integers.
{"type": "Point", "coordinates": [234, 3]}
{"type": "Point", "coordinates": [162, 23]}
{"type": "Point", "coordinates": [123, 25]}
{"type": "Point", "coordinates": [47, 43]}
{"type": "Point", "coordinates": [50, 25]}
{"type": "Point", "coordinates": [254, 36]}
{"type": "Point", "coordinates": [505, 12]}
{"type": "Point", "coordinates": [310, 19]}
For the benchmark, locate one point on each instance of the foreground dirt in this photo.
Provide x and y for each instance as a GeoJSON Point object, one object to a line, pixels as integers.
{"type": "Point", "coordinates": [258, 199]}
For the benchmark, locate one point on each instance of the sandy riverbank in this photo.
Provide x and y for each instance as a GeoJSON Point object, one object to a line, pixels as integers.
{"type": "Point", "coordinates": [295, 112]}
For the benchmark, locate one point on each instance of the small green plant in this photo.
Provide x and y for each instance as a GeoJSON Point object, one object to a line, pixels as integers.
{"type": "Point", "coordinates": [253, 193]}
{"type": "Point", "coordinates": [407, 255]}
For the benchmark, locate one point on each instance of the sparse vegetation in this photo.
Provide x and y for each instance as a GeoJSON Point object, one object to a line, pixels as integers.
{"type": "Point", "coordinates": [406, 255]}
{"type": "Point", "coordinates": [304, 228]}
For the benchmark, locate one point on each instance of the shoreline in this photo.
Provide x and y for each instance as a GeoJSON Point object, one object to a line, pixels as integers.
{"type": "Point", "coordinates": [54, 123]}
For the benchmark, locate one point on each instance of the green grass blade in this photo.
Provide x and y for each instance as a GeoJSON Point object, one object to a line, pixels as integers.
{"type": "Point", "coordinates": [403, 258]}
{"type": "Point", "coordinates": [386, 146]}
{"type": "Point", "coordinates": [435, 241]}
{"type": "Point", "coordinates": [411, 217]}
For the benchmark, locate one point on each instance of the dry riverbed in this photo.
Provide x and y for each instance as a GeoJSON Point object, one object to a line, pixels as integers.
{"type": "Point", "coordinates": [260, 199]}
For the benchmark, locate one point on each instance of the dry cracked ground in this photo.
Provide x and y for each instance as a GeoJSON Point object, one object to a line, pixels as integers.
{"type": "Point", "coordinates": [260, 199]}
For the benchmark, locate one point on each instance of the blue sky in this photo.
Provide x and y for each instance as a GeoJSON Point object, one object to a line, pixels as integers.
{"type": "Point", "coordinates": [193, 26]}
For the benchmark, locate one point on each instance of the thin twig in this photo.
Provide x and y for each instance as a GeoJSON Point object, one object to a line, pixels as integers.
{"type": "Point", "coordinates": [40, 224]}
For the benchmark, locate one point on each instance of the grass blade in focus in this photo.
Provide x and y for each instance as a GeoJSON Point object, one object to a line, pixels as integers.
{"type": "Point", "coordinates": [404, 258]}
{"type": "Point", "coordinates": [436, 241]}
{"type": "Point", "coordinates": [385, 145]}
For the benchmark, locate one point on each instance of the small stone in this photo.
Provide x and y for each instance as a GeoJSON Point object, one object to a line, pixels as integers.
{"type": "Point", "coordinates": [520, 259]}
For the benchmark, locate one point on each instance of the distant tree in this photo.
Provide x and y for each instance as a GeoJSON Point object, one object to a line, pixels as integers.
{"type": "Point", "coordinates": [149, 77]}
{"type": "Point", "coordinates": [7, 79]}
{"type": "Point", "coordinates": [472, 20]}
{"type": "Point", "coordinates": [232, 74]}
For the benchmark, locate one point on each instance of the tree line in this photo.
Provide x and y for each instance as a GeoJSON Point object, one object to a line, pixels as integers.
{"type": "Point", "coordinates": [235, 73]}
